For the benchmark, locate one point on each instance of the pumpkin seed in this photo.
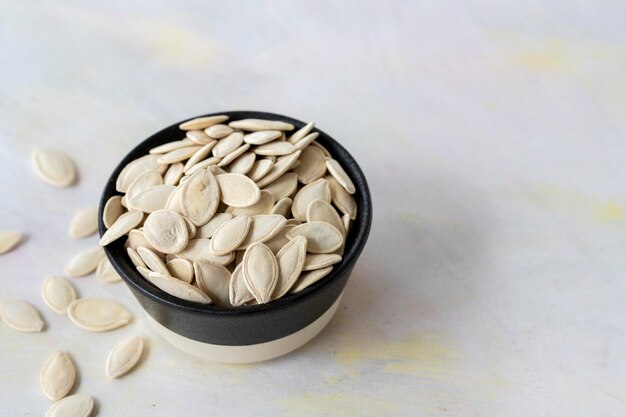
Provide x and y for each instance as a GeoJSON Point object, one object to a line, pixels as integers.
{"type": "Point", "coordinates": [172, 146]}
{"type": "Point", "coordinates": [302, 132]}
{"type": "Point", "coordinates": [282, 207]}
{"type": "Point", "coordinates": [218, 131]}
{"type": "Point", "coordinates": [233, 155]}
{"type": "Point", "coordinates": [306, 141]}
{"type": "Point", "coordinates": [238, 293]}
{"type": "Point", "coordinates": [230, 235]}
{"type": "Point", "coordinates": [228, 144]}
{"type": "Point", "coordinates": [341, 198]}
{"type": "Point", "coordinates": [199, 137]}
{"type": "Point", "coordinates": [260, 272]}
{"type": "Point", "coordinates": [134, 257]}
{"type": "Point", "coordinates": [112, 210]}
{"type": "Point", "coordinates": [21, 316]}
{"type": "Point", "coordinates": [54, 167]}
{"type": "Point", "coordinates": [321, 236]}
{"type": "Point", "coordinates": [202, 122]}
{"type": "Point", "coordinates": [200, 197]}
{"type": "Point", "coordinates": [77, 405]}
{"type": "Point", "coordinates": [260, 168]}
{"type": "Point", "coordinates": [279, 240]}
{"type": "Point", "coordinates": [263, 228]}
{"type": "Point", "coordinates": [199, 155]}
{"type": "Point", "coordinates": [263, 206]}
{"type": "Point", "coordinates": [207, 230]}
{"type": "Point", "coordinates": [346, 222]}
{"type": "Point", "coordinates": [124, 224]}
{"type": "Point", "coordinates": [316, 190]}
{"type": "Point", "coordinates": [309, 278]}
{"type": "Point", "coordinates": [182, 269]}
{"type": "Point", "coordinates": [152, 260]}
{"type": "Point", "coordinates": [106, 273]}
{"type": "Point", "coordinates": [84, 222]}
{"type": "Point", "coordinates": [290, 263]}
{"type": "Point", "coordinates": [123, 357]}
{"type": "Point", "coordinates": [280, 167]}
{"type": "Point", "coordinates": [207, 163]}
{"type": "Point", "coordinates": [243, 164]}
{"type": "Point", "coordinates": [98, 314]}
{"type": "Point", "coordinates": [178, 288]}
{"type": "Point", "coordinates": [173, 203]}
{"type": "Point", "coordinates": [312, 165]}
{"type": "Point", "coordinates": [137, 238]}
{"type": "Point", "coordinates": [178, 155]}
{"type": "Point", "coordinates": [173, 174]}
{"type": "Point", "coordinates": [58, 294]}
{"type": "Point", "coordinates": [201, 249]}
{"type": "Point", "coordinates": [320, 210]}
{"type": "Point", "coordinates": [318, 261]}
{"type": "Point", "coordinates": [252, 125]}
{"type": "Point", "coordinates": [337, 171]}
{"type": "Point", "coordinates": [145, 272]}
{"type": "Point", "coordinates": [144, 181]}
{"type": "Point", "coordinates": [9, 240]}
{"type": "Point", "coordinates": [57, 376]}
{"type": "Point", "coordinates": [166, 231]}
{"type": "Point", "coordinates": [237, 190]}
{"type": "Point", "coordinates": [84, 262]}
{"type": "Point", "coordinates": [151, 199]}
{"type": "Point", "coordinates": [275, 148]}
{"type": "Point", "coordinates": [213, 279]}
{"type": "Point", "coordinates": [135, 168]}
{"type": "Point", "coordinates": [262, 137]}
{"type": "Point", "coordinates": [283, 186]}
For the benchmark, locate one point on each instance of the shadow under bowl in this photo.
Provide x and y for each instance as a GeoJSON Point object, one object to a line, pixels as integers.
{"type": "Point", "coordinates": [248, 333]}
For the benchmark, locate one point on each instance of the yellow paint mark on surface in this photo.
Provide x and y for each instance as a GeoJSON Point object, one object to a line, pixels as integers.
{"type": "Point", "coordinates": [578, 205]}
{"type": "Point", "coordinates": [347, 405]}
{"type": "Point", "coordinates": [423, 354]}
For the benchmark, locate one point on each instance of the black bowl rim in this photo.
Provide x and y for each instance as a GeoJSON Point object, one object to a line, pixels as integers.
{"type": "Point", "coordinates": [360, 234]}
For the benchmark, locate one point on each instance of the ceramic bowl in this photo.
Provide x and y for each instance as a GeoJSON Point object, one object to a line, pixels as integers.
{"type": "Point", "coordinates": [249, 333]}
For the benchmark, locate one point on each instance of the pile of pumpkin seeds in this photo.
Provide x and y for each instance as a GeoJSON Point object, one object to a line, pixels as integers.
{"type": "Point", "coordinates": [234, 213]}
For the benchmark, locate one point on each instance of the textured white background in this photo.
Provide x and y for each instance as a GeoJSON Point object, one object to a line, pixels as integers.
{"type": "Point", "coordinates": [493, 137]}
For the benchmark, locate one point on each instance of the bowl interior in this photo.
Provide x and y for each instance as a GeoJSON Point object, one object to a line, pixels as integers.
{"type": "Point", "coordinates": [355, 242]}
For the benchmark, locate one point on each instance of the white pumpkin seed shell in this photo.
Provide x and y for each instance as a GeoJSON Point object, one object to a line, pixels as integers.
{"type": "Point", "coordinates": [136, 168]}
{"type": "Point", "coordinates": [144, 181]}
{"type": "Point", "coordinates": [166, 231]}
{"type": "Point", "coordinates": [123, 357]}
{"type": "Point", "coordinates": [77, 405]}
{"type": "Point", "coordinates": [200, 197]}
{"type": "Point", "coordinates": [199, 137]}
{"type": "Point", "coordinates": [337, 171]}
{"type": "Point", "coordinates": [58, 294]}
{"type": "Point", "coordinates": [275, 148]}
{"type": "Point", "coordinates": [54, 167]}
{"type": "Point", "coordinates": [135, 258]}
{"type": "Point", "coordinates": [312, 165]}
{"type": "Point", "coordinates": [199, 155]}
{"type": "Point", "coordinates": [282, 207]}
{"type": "Point", "coordinates": [178, 155]}
{"type": "Point", "coordinates": [238, 293]}
{"type": "Point", "coordinates": [112, 210]}
{"type": "Point", "coordinates": [152, 260]}
{"type": "Point", "coordinates": [106, 273]}
{"type": "Point", "coordinates": [213, 279]}
{"type": "Point", "coordinates": [242, 164]}
{"type": "Point", "coordinates": [173, 174]}
{"type": "Point", "coordinates": [252, 125]}
{"type": "Point", "coordinates": [230, 234]}
{"type": "Point", "coordinates": [201, 249]}
{"type": "Point", "coordinates": [202, 122]}
{"type": "Point", "coordinates": [283, 186]}
{"type": "Point", "coordinates": [262, 229]}
{"type": "Point", "coordinates": [320, 210]}
{"type": "Point", "coordinates": [182, 269]}
{"type": "Point", "coordinates": [218, 131]}
{"type": "Point", "coordinates": [206, 231]}
{"type": "Point", "coordinates": [9, 240]}
{"type": "Point", "coordinates": [263, 206]}
{"type": "Point", "coordinates": [21, 316]}
{"type": "Point", "coordinates": [233, 155]}
{"type": "Point", "coordinates": [306, 141]}
{"type": "Point", "coordinates": [279, 239]}
{"type": "Point", "coordinates": [310, 277]}
{"type": "Point", "coordinates": [98, 314]}
{"type": "Point", "coordinates": [178, 288]}
{"type": "Point", "coordinates": [151, 199]}
{"type": "Point", "coordinates": [322, 260]}
{"type": "Point", "coordinates": [84, 222]}
{"type": "Point", "coordinates": [304, 131]}
{"type": "Point", "coordinates": [260, 168]}
{"type": "Point", "coordinates": [84, 262]}
{"type": "Point", "coordinates": [228, 144]}
{"type": "Point", "coordinates": [321, 236]}
{"type": "Point", "coordinates": [260, 272]}
{"type": "Point", "coordinates": [262, 137]}
{"type": "Point", "coordinates": [237, 190]}
{"type": "Point", "coordinates": [341, 198]}
{"type": "Point", "coordinates": [172, 146]}
{"type": "Point", "coordinates": [280, 167]}
{"type": "Point", "coordinates": [290, 263]}
{"type": "Point", "coordinates": [318, 189]}
{"type": "Point", "coordinates": [57, 376]}
{"type": "Point", "coordinates": [124, 224]}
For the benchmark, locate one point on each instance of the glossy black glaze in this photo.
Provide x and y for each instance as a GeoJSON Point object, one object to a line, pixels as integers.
{"type": "Point", "coordinates": [248, 324]}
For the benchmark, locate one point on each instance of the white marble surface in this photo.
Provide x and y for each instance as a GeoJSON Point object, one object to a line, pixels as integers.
{"type": "Point", "coordinates": [493, 137]}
